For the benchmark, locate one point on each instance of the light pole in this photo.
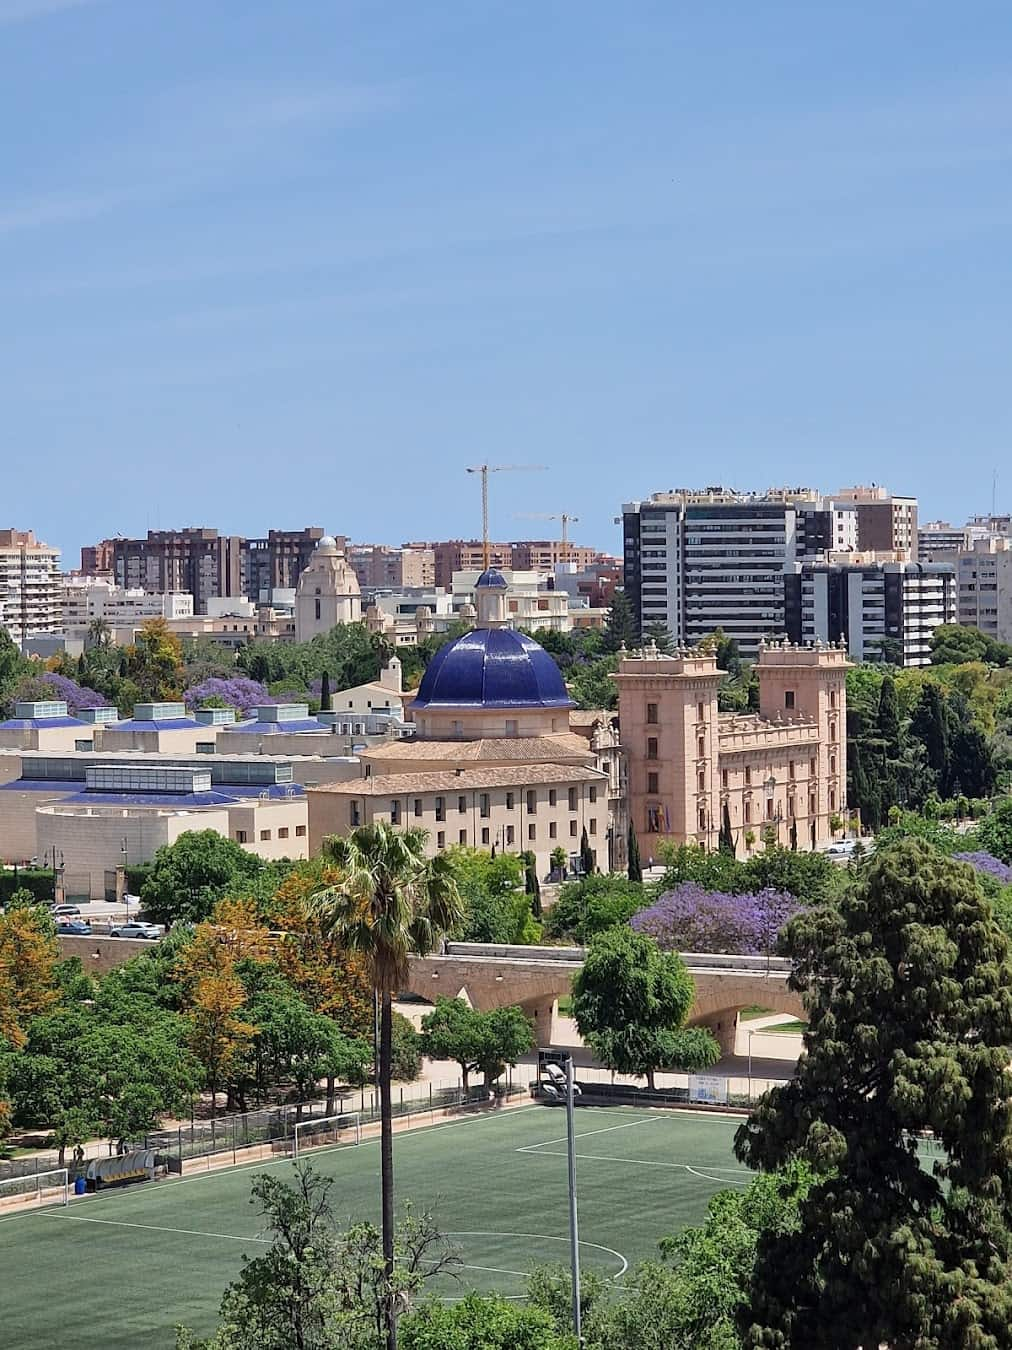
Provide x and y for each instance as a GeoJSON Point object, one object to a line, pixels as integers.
{"type": "Point", "coordinates": [574, 1223]}
{"type": "Point", "coordinates": [751, 1033]}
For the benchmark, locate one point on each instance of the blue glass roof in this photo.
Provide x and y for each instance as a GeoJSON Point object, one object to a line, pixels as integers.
{"type": "Point", "coordinates": [492, 668]}
{"type": "Point", "coordinates": [273, 728]}
{"type": "Point", "coordinates": [148, 799]}
{"type": "Point", "coordinates": [222, 792]}
{"type": "Point", "coordinates": [170, 724]}
{"type": "Point", "coordinates": [40, 723]}
{"type": "Point", "coordinates": [491, 578]}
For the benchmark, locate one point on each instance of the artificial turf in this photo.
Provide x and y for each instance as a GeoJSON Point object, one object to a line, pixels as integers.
{"type": "Point", "coordinates": [123, 1268]}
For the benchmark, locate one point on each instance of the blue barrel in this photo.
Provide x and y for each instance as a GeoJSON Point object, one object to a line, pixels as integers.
{"type": "Point", "coordinates": [80, 1185]}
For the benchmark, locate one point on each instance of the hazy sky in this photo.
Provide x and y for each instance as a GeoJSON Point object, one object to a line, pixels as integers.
{"type": "Point", "coordinates": [287, 262]}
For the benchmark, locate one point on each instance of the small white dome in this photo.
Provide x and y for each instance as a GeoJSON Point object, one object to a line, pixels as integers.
{"type": "Point", "coordinates": [328, 544]}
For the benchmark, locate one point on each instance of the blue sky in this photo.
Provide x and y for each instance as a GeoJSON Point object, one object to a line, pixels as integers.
{"type": "Point", "coordinates": [271, 263]}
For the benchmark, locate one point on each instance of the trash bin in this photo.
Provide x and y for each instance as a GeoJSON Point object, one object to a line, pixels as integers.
{"type": "Point", "coordinates": [80, 1185]}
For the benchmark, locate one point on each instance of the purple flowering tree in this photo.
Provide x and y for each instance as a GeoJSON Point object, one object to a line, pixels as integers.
{"type": "Point", "coordinates": [691, 919]}
{"type": "Point", "coordinates": [237, 691]}
{"type": "Point", "coordinates": [38, 688]}
{"type": "Point", "coordinates": [987, 864]}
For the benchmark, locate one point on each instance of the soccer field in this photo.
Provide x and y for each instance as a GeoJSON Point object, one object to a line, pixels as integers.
{"type": "Point", "coordinates": [122, 1269]}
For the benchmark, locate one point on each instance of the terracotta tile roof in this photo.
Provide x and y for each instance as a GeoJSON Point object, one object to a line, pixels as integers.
{"type": "Point", "coordinates": [402, 784]}
{"type": "Point", "coordinates": [528, 749]}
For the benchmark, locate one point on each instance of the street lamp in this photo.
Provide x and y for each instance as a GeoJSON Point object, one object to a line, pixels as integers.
{"type": "Point", "coordinates": [751, 1033]}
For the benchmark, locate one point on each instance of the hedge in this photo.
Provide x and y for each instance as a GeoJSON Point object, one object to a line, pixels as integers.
{"type": "Point", "coordinates": [40, 882]}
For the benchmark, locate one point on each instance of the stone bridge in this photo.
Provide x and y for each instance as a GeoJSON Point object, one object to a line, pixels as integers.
{"type": "Point", "coordinates": [489, 976]}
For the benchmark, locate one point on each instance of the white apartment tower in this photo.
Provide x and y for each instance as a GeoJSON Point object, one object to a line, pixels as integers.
{"type": "Point", "coordinates": [31, 595]}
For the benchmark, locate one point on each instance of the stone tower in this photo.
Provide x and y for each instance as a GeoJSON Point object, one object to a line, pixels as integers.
{"type": "Point", "coordinates": [668, 718]}
{"type": "Point", "coordinates": [327, 594]}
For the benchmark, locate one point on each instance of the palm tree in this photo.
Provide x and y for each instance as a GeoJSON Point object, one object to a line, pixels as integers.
{"type": "Point", "coordinates": [392, 902]}
{"type": "Point", "coordinates": [99, 633]}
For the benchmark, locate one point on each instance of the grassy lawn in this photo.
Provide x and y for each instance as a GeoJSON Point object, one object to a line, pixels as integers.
{"type": "Point", "coordinates": [783, 1029]}
{"type": "Point", "coordinates": [121, 1269]}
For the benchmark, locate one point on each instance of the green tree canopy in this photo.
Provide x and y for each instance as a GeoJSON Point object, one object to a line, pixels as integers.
{"type": "Point", "coordinates": [908, 986]}
{"type": "Point", "coordinates": [630, 1001]}
{"type": "Point", "coordinates": [478, 1041]}
{"type": "Point", "coordinates": [190, 876]}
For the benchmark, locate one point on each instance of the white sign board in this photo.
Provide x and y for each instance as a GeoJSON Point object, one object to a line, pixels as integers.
{"type": "Point", "coordinates": [706, 1088]}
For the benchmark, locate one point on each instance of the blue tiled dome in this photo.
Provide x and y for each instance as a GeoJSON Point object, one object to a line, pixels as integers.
{"type": "Point", "coordinates": [491, 579]}
{"type": "Point", "coordinates": [492, 668]}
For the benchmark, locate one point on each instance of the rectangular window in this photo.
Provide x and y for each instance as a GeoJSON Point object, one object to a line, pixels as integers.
{"type": "Point", "coordinates": [593, 792]}
{"type": "Point", "coordinates": [702, 818]}
{"type": "Point", "coordinates": [553, 829]}
{"type": "Point", "coordinates": [572, 799]}
{"type": "Point", "coordinates": [484, 835]}
{"type": "Point", "coordinates": [788, 698]}
{"type": "Point", "coordinates": [832, 764]}
{"type": "Point", "coordinates": [461, 804]}
{"type": "Point", "coordinates": [769, 809]}
{"type": "Point", "coordinates": [462, 837]}
{"type": "Point", "coordinates": [812, 769]}
{"type": "Point", "coordinates": [532, 832]}
{"type": "Point", "coordinates": [283, 832]}
{"type": "Point", "coordinates": [484, 805]}
{"type": "Point", "coordinates": [790, 770]}
{"type": "Point", "coordinates": [700, 711]}
{"type": "Point", "coordinates": [572, 828]}
{"type": "Point", "coordinates": [510, 834]}
{"type": "Point", "coordinates": [811, 803]}
{"type": "Point", "coordinates": [509, 801]}
{"type": "Point", "coordinates": [652, 787]}
{"type": "Point", "coordinates": [832, 799]}
{"type": "Point", "coordinates": [202, 747]}
{"type": "Point", "coordinates": [532, 801]}
{"type": "Point", "coordinates": [790, 807]}
{"type": "Point", "coordinates": [592, 826]}
{"type": "Point", "coordinates": [700, 747]}
{"type": "Point", "coordinates": [701, 780]}
{"type": "Point", "coordinates": [832, 698]}
{"type": "Point", "coordinates": [264, 836]}
{"type": "Point", "coordinates": [354, 814]}
{"type": "Point", "coordinates": [440, 808]}
{"type": "Point", "coordinates": [748, 775]}
{"type": "Point", "coordinates": [552, 796]}
{"type": "Point", "coordinates": [651, 747]}
{"type": "Point", "coordinates": [512, 726]}
{"type": "Point", "coordinates": [723, 778]}
{"type": "Point", "coordinates": [300, 831]}
{"type": "Point", "coordinates": [441, 839]}
{"type": "Point", "coordinates": [748, 813]}
{"type": "Point", "coordinates": [395, 813]}
{"type": "Point", "coordinates": [652, 713]}
{"type": "Point", "coordinates": [240, 836]}
{"type": "Point", "coordinates": [418, 806]}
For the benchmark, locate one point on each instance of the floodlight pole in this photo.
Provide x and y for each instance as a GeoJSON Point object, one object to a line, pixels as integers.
{"type": "Point", "coordinates": [574, 1224]}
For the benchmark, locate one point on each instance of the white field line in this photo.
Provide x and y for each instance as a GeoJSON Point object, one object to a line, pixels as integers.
{"type": "Point", "coordinates": [586, 1134]}
{"type": "Point", "coordinates": [639, 1162]}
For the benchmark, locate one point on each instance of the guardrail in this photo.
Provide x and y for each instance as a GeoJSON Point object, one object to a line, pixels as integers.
{"type": "Point", "coordinates": [729, 961]}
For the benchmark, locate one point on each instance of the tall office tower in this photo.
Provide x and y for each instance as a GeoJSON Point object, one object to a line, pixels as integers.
{"type": "Point", "coordinates": [696, 561]}
{"type": "Point", "coordinates": [31, 590]}
{"type": "Point", "coordinates": [885, 524]}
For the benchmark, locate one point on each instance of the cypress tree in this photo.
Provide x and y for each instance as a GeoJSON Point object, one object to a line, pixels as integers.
{"type": "Point", "coordinates": [326, 702]}
{"type": "Point", "coordinates": [622, 625]}
{"type": "Point", "coordinates": [532, 885]}
{"type": "Point", "coordinates": [725, 840]}
{"type": "Point", "coordinates": [931, 726]}
{"type": "Point", "coordinates": [889, 718]}
{"type": "Point", "coordinates": [794, 836]}
{"type": "Point", "coordinates": [634, 867]}
{"type": "Point", "coordinates": [586, 854]}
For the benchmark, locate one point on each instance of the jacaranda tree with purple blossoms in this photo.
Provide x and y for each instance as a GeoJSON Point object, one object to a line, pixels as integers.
{"type": "Point", "coordinates": [237, 691]}
{"type": "Point", "coordinates": [39, 688]}
{"type": "Point", "coordinates": [691, 919]}
{"type": "Point", "coordinates": [988, 865]}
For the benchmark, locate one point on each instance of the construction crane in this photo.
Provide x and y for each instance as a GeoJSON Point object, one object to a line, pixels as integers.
{"type": "Point", "coordinates": [485, 470]}
{"type": "Point", "coordinates": [566, 519]}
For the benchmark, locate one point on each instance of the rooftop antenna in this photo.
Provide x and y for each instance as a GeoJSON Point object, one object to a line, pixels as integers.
{"type": "Point", "coordinates": [485, 470]}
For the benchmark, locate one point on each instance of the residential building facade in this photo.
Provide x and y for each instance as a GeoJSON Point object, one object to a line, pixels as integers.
{"type": "Point", "coordinates": [984, 589]}
{"type": "Point", "coordinates": [698, 561]}
{"type": "Point", "coordinates": [885, 523]}
{"type": "Point", "coordinates": [883, 611]}
{"type": "Point", "coordinates": [30, 586]}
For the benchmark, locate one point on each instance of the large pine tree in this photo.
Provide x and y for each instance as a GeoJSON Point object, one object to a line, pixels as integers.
{"type": "Point", "coordinates": [908, 985]}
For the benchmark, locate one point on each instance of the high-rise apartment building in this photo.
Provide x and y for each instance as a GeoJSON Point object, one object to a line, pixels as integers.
{"type": "Point", "coordinates": [984, 588]}
{"type": "Point", "coordinates": [883, 611]}
{"type": "Point", "coordinates": [543, 555]}
{"type": "Point", "coordinates": [464, 555]}
{"type": "Point", "coordinates": [696, 561]}
{"type": "Point", "coordinates": [885, 524]}
{"type": "Point", "coordinates": [209, 565]}
{"type": "Point", "coordinates": [380, 567]}
{"type": "Point", "coordinates": [31, 595]}
{"type": "Point", "coordinates": [96, 559]}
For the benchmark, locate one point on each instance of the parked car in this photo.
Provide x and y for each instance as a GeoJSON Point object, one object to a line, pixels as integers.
{"type": "Point", "coordinates": [66, 911]}
{"type": "Point", "coordinates": [74, 928]}
{"type": "Point", "coordinates": [136, 929]}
